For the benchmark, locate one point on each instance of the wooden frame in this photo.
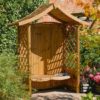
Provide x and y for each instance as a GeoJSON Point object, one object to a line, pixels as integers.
{"type": "Point", "coordinates": [29, 57]}
{"type": "Point", "coordinates": [30, 37]}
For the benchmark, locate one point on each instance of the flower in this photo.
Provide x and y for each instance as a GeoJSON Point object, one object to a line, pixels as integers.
{"type": "Point", "coordinates": [98, 73]}
{"type": "Point", "coordinates": [87, 69]}
{"type": "Point", "coordinates": [95, 77]}
{"type": "Point", "coordinates": [91, 76]}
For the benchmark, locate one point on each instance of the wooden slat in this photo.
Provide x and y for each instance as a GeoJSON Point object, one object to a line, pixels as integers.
{"type": "Point", "coordinates": [35, 17]}
{"type": "Point", "coordinates": [60, 77]}
{"type": "Point", "coordinates": [42, 78]}
{"type": "Point", "coordinates": [78, 60]}
{"type": "Point", "coordinates": [34, 13]}
{"type": "Point", "coordinates": [65, 16]}
{"type": "Point", "coordinates": [29, 58]}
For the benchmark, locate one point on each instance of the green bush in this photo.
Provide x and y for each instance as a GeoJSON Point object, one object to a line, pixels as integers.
{"type": "Point", "coordinates": [11, 81]}
{"type": "Point", "coordinates": [10, 11]}
{"type": "Point", "coordinates": [98, 97]}
{"type": "Point", "coordinates": [89, 96]}
{"type": "Point", "coordinates": [90, 49]}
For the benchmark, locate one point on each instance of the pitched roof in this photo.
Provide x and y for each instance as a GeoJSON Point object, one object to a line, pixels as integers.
{"type": "Point", "coordinates": [54, 11]}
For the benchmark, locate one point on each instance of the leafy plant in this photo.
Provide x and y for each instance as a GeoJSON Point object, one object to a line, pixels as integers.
{"type": "Point", "coordinates": [90, 49]}
{"type": "Point", "coordinates": [12, 10]}
{"type": "Point", "coordinates": [98, 98]}
{"type": "Point", "coordinates": [89, 96]}
{"type": "Point", "coordinates": [11, 81]}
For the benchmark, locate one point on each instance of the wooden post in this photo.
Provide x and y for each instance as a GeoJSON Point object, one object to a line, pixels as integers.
{"type": "Point", "coordinates": [29, 58]}
{"type": "Point", "coordinates": [18, 45]}
{"type": "Point", "coordinates": [78, 60]}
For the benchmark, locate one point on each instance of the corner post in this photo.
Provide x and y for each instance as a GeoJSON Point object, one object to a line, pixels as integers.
{"type": "Point", "coordinates": [29, 57]}
{"type": "Point", "coordinates": [78, 59]}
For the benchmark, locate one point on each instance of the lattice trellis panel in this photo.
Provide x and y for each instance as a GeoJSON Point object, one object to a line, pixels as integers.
{"type": "Point", "coordinates": [54, 65]}
{"type": "Point", "coordinates": [70, 47]}
{"type": "Point", "coordinates": [71, 56]}
{"type": "Point", "coordinates": [23, 48]}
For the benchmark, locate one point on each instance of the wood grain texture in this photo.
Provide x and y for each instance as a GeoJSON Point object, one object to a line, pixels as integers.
{"type": "Point", "coordinates": [23, 48]}
{"type": "Point", "coordinates": [54, 11]}
{"type": "Point", "coordinates": [78, 60]}
{"type": "Point", "coordinates": [47, 55]}
{"type": "Point", "coordinates": [48, 49]}
{"type": "Point", "coordinates": [29, 58]}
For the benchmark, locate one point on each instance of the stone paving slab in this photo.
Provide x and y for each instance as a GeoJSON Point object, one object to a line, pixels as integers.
{"type": "Point", "coordinates": [55, 95]}
{"type": "Point", "coordinates": [58, 94]}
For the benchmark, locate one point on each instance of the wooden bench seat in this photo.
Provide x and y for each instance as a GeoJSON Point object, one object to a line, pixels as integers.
{"type": "Point", "coordinates": [42, 78]}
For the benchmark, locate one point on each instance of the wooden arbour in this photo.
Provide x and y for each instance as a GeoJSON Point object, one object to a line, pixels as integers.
{"type": "Point", "coordinates": [49, 48]}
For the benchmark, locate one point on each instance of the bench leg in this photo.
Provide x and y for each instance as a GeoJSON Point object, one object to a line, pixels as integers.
{"type": "Point", "coordinates": [30, 87]}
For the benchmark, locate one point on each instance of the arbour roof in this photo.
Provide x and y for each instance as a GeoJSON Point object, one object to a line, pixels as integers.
{"type": "Point", "coordinates": [54, 11]}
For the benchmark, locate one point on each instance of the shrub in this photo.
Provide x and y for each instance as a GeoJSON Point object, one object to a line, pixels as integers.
{"type": "Point", "coordinates": [90, 49]}
{"type": "Point", "coordinates": [89, 96]}
{"type": "Point", "coordinates": [11, 81]}
{"type": "Point", "coordinates": [10, 11]}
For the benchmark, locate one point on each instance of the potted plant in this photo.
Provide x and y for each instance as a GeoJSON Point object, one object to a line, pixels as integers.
{"type": "Point", "coordinates": [84, 79]}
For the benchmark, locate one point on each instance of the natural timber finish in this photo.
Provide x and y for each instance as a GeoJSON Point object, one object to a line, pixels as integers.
{"type": "Point", "coordinates": [54, 11]}
{"type": "Point", "coordinates": [47, 48]}
{"type": "Point", "coordinates": [29, 58]}
{"type": "Point", "coordinates": [50, 48]}
{"type": "Point", "coordinates": [78, 59]}
{"type": "Point", "coordinates": [23, 48]}
{"type": "Point", "coordinates": [43, 78]}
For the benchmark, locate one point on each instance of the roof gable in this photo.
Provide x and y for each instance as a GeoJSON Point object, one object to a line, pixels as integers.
{"type": "Point", "coordinates": [54, 11]}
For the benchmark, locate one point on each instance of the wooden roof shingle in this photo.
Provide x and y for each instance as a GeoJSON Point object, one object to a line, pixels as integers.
{"type": "Point", "coordinates": [54, 11]}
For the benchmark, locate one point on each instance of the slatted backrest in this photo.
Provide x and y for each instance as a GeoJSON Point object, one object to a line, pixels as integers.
{"type": "Point", "coordinates": [47, 48]}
